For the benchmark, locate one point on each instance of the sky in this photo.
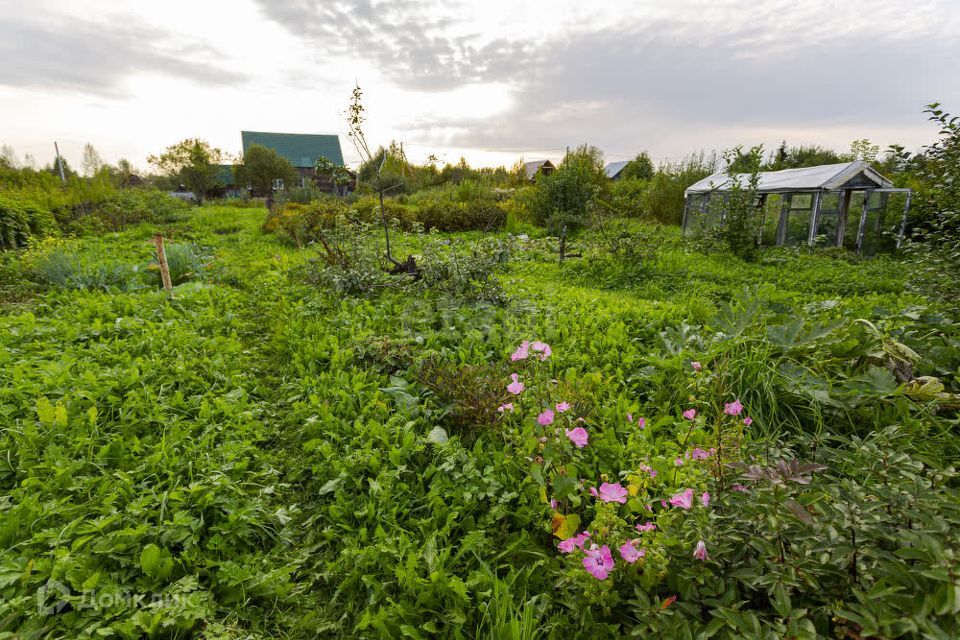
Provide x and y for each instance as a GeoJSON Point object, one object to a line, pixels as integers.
{"type": "Point", "coordinates": [492, 81]}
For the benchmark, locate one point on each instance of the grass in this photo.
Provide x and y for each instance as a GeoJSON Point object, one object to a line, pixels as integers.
{"type": "Point", "coordinates": [272, 442]}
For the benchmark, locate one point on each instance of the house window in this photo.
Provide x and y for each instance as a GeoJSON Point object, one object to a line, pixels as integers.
{"type": "Point", "coordinates": [278, 184]}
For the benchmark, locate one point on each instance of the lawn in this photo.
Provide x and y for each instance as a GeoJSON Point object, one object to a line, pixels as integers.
{"type": "Point", "coordinates": [259, 457]}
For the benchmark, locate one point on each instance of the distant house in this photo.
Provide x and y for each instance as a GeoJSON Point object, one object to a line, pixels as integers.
{"type": "Point", "coordinates": [302, 150]}
{"type": "Point", "coordinates": [538, 167]}
{"type": "Point", "coordinates": [614, 169]}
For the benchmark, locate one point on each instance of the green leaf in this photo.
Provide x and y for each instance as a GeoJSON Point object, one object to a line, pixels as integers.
{"type": "Point", "coordinates": [437, 435]}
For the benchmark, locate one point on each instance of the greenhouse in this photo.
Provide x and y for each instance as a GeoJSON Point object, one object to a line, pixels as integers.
{"type": "Point", "coordinates": [846, 205]}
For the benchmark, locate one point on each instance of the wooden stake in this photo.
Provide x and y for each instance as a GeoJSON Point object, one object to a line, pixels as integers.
{"type": "Point", "coordinates": [164, 269]}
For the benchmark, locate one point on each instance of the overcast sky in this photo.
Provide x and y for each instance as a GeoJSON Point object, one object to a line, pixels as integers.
{"type": "Point", "coordinates": [492, 80]}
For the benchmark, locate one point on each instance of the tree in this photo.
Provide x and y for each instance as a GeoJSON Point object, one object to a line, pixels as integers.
{"type": "Point", "coordinates": [794, 158]}
{"type": "Point", "coordinates": [193, 163]}
{"type": "Point", "coordinates": [8, 157]}
{"type": "Point", "coordinates": [640, 168]}
{"type": "Point", "coordinates": [935, 242]}
{"type": "Point", "coordinates": [125, 172]}
{"type": "Point", "coordinates": [562, 200]}
{"type": "Point", "coordinates": [92, 162]}
{"type": "Point", "coordinates": [260, 166]}
{"type": "Point", "coordinates": [372, 171]}
{"type": "Point", "coordinates": [741, 210]}
{"type": "Point", "coordinates": [864, 150]}
{"type": "Point", "coordinates": [326, 168]}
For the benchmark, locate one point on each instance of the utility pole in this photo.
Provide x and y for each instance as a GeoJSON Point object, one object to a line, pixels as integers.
{"type": "Point", "coordinates": [63, 180]}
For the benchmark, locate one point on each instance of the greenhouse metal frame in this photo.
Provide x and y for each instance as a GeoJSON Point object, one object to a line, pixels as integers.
{"type": "Point", "coordinates": [842, 205]}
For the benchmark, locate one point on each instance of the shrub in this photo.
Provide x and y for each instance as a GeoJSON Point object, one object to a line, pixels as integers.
{"type": "Point", "coordinates": [118, 209]}
{"type": "Point", "coordinates": [465, 270]}
{"type": "Point", "coordinates": [474, 215]}
{"type": "Point", "coordinates": [628, 197]}
{"type": "Point", "coordinates": [562, 200]}
{"type": "Point", "coordinates": [348, 260]}
{"type": "Point", "coordinates": [301, 224]}
{"type": "Point", "coordinates": [665, 199]}
{"type": "Point", "coordinates": [185, 261]}
{"type": "Point", "coordinates": [21, 220]}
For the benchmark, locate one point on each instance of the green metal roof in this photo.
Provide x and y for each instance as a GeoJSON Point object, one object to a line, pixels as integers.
{"type": "Point", "coordinates": [301, 149]}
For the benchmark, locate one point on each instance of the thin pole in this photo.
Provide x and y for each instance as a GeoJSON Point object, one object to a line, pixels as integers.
{"type": "Point", "coordinates": [63, 180]}
{"type": "Point", "coordinates": [164, 268]}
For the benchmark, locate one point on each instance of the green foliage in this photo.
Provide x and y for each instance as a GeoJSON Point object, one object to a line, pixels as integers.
{"type": "Point", "coordinates": [22, 220]}
{"type": "Point", "coordinates": [665, 194]}
{"type": "Point", "coordinates": [740, 214]}
{"type": "Point", "coordinates": [562, 200]}
{"type": "Point", "coordinates": [640, 168]}
{"type": "Point", "coordinates": [802, 156]}
{"type": "Point", "coordinates": [260, 166]}
{"type": "Point", "coordinates": [191, 162]}
{"type": "Point", "coordinates": [936, 229]}
{"type": "Point", "coordinates": [266, 457]}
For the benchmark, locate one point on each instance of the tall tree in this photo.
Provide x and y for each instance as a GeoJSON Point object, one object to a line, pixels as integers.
{"type": "Point", "coordinates": [260, 166]}
{"type": "Point", "coordinates": [640, 167]}
{"type": "Point", "coordinates": [92, 162]}
{"type": "Point", "coordinates": [193, 163]}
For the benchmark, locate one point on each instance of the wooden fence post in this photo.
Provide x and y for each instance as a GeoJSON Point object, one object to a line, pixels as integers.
{"type": "Point", "coordinates": [164, 268]}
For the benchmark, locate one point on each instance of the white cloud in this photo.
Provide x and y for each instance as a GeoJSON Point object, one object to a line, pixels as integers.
{"type": "Point", "coordinates": [491, 80]}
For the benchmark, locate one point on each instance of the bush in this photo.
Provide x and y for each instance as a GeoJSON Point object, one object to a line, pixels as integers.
{"type": "Point", "coordinates": [628, 197]}
{"type": "Point", "coordinates": [465, 271]}
{"type": "Point", "coordinates": [21, 220]}
{"type": "Point", "coordinates": [301, 224]}
{"type": "Point", "coordinates": [119, 209]}
{"type": "Point", "coordinates": [348, 261]}
{"type": "Point", "coordinates": [475, 215]}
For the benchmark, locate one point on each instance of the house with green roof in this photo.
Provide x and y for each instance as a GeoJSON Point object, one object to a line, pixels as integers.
{"type": "Point", "coordinates": [302, 150]}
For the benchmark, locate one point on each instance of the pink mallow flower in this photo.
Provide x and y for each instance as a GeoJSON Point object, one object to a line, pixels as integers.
{"type": "Point", "coordinates": [684, 499]}
{"type": "Point", "coordinates": [642, 423]}
{"type": "Point", "coordinates": [613, 493]}
{"type": "Point", "coordinates": [563, 406]}
{"type": "Point", "coordinates": [733, 408]}
{"type": "Point", "coordinates": [545, 418]}
{"type": "Point", "coordinates": [554, 504]}
{"type": "Point", "coordinates": [646, 526]}
{"type": "Point", "coordinates": [522, 352]}
{"type": "Point", "coordinates": [700, 551]}
{"type": "Point", "coordinates": [543, 348]}
{"type": "Point", "coordinates": [630, 417]}
{"type": "Point", "coordinates": [574, 542]}
{"type": "Point", "coordinates": [578, 436]}
{"type": "Point", "coordinates": [678, 461]}
{"type": "Point", "coordinates": [630, 553]}
{"type": "Point", "coordinates": [516, 387]}
{"type": "Point", "coordinates": [696, 365]}
{"type": "Point", "coordinates": [705, 498]}
{"type": "Point", "coordinates": [598, 562]}
{"type": "Point", "coordinates": [648, 469]}
{"type": "Point", "coordinates": [505, 407]}
{"type": "Point", "coordinates": [698, 454]}
{"type": "Point", "coordinates": [690, 414]}
{"type": "Point", "coordinates": [740, 488]}
{"type": "Point", "coordinates": [748, 421]}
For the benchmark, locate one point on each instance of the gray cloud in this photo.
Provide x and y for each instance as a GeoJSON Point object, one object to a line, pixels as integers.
{"type": "Point", "coordinates": [638, 83]}
{"type": "Point", "coordinates": [408, 39]}
{"type": "Point", "coordinates": [94, 58]}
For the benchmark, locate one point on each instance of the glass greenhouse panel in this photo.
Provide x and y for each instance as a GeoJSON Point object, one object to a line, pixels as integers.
{"type": "Point", "coordinates": [770, 224]}
{"type": "Point", "coordinates": [829, 221]}
{"type": "Point", "coordinates": [798, 219]}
